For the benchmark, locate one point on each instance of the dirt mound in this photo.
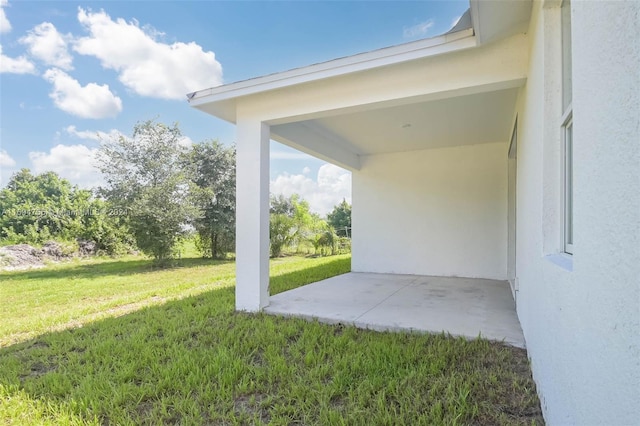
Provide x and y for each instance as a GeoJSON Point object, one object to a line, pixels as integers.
{"type": "Point", "coordinates": [87, 248]}
{"type": "Point", "coordinates": [21, 256]}
{"type": "Point", "coordinates": [53, 250]}
{"type": "Point", "coordinates": [24, 256]}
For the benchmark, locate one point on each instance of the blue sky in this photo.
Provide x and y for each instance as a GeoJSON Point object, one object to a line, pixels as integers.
{"type": "Point", "coordinates": [73, 72]}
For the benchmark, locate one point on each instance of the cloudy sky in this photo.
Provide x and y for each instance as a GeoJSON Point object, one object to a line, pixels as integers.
{"type": "Point", "coordinates": [73, 73]}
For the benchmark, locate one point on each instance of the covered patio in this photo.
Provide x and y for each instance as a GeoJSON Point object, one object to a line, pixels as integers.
{"type": "Point", "coordinates": [464, 307]}
{"type": "Point", "coordinates": [427, 142]}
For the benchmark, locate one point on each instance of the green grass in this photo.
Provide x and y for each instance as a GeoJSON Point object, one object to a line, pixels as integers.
{"type": "Point", "coordinates": [71, 294]}
{"type": "Point", "coordinates": [166, 347]}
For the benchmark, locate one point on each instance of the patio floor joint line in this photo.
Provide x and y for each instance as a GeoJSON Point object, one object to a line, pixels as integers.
{"type": "Point", "coordinates": [385, 299]}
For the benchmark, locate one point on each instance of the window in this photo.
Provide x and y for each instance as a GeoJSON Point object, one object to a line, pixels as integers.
{"type": "Point", "coordinates": [568, 184]}
{"type": "Point", "coordinates": [567, 127]}
{"type": "Point", "coordinates": [566, 55]}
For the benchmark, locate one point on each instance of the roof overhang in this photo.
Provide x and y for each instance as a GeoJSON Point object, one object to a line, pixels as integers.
{"type": "Point", "coordinates": [491, 20]}
{"type": "Point", "coordinates": [455, 89]}
{"type": "Point", "coordinates": [220, 100]}
{"type": "Point", "coordinates": [496, 19]}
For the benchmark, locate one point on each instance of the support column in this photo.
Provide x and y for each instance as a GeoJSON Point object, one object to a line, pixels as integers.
{"type": "Point", "coordinates": [252, 215]}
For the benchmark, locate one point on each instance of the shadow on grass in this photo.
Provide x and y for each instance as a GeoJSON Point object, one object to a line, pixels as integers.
{"type": "Point", "coordinates": [196, 361]}
{"type": "Point", "coordinates": [116, 267]}
{"type": "Point", "coordinates": [290, 280]}
{"type": "Point", "coordinates": [112, 371]}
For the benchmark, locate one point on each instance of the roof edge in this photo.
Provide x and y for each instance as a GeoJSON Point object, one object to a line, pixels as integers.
{"type": "Point", "coordinates": [494, 19]}
{"type": "Point", "coordinates": [359, 62]}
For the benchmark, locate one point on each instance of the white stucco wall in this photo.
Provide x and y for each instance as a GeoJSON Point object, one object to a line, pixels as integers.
{"type": "Point", "coordinates": [432, 212]}
{"type": "Point", "coordinates": [582, 326]}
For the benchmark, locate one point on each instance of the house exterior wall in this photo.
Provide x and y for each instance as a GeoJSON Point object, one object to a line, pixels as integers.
{"type": "Point", "coordinates": [432, 212]}
{"type": "Point", "coordinates": [581, 323]}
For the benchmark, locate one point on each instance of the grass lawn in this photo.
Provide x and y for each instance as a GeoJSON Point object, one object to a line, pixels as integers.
{"type": "Point", "coordinates": [118, 342]}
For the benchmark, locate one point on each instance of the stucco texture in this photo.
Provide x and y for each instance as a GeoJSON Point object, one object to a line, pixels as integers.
{"type": "Point", "coordinates": [432, 212]}
{"type": "Point", "coordinates": [582, 326]}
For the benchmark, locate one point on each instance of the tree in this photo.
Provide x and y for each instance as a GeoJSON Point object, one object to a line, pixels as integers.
{"type": "Point", "coordinates": [280, 233]}
{"type": "Point", "coordinates": [214, 174]}
{"type": "Point", "coordinates": [33, 206]}
{"type": "Point", "coordinates": [293, 225]}
{"type": "Point", "coordinates": [279, 204]}
{"type": "Point", "coordinates": [323, 238]}
{"type": "Point", "coordinates": [340, 218]}
{"type": "Point", "coordinates": [37, 208]}
{"type": "Point", "coordinates": [145, 176]}
{"type": "Point", "coordinates": [289, 222]}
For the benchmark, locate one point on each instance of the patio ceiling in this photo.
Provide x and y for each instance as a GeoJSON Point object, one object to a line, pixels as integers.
{"type": "Point", "coordinates": [462, 120]}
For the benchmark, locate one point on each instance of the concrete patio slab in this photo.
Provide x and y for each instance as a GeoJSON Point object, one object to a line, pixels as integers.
{"type": "Point", "coordinates": [460, 306]}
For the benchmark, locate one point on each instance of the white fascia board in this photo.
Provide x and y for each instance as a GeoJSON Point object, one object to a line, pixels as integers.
{"type": "Point", "coordinates": [476, 23]}
{"type": "Point", "coordinates": [496, 19]}
{"type": "Point", "coordinates": [361, 62]}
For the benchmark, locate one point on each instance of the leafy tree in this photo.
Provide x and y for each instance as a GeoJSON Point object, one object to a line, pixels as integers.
{"type": "Point", "coordinates": [145, 176]}
{"type": "Point", "coordinates": [280, 233]}
{"type": "Point", "coordinates": [282, 205]}
{"type": "Point", "coordinates": [288, 222]}
{"type": "Point", "coordinates": [293, 225]}
{"type": "Point", "coordinates": [340, 218]}
{"type": "Point", "coordinates": [303, 220]}
{"type": "Point", "coordinates": [37, 208]}
{"type": "Point", "coordinates": [108, 227]}
{"type": "Point", "coordinates": [32, 206]}
{"type": "Point", "coordinates": [214, 173]}
{"type": "Point", "coordinates": [323, 238]}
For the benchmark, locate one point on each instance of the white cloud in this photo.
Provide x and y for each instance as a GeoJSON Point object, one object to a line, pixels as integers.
{"type": "Point", "coordinates": [20, 65]}
{"type": "Point", "coordinates": [5, 25]}
{"type": "Point", "coordinates": [332, 185]}
{"type": "Point", "coordinates": [90, 101]}
{"type": "Point", "coordinates": [185, 142]}
{"type": "Point", "coordinates": [146, 65]}
{"type": "Point", "coordinates": [44, 42]}
{"type": "Point", "coordinates": [418, 30]}
{"type": "Point", "coordinates": [94, 135]}
{"type": "Point", "coordinates": [7, 167]}
{"type": "Point", "coordinates": [99, 136]}
{"type": "Point", "coordinates": [73, 162]}
{"type": "Point", "coordinates": [6, 160]}
{"type": "Point", "coordinates": [306, 170]}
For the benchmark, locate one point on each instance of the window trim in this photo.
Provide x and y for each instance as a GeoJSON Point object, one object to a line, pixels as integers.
{"type": "Point", "coordinates": [567, 181]}
{"type": "Point", "coordinates": [567, 143]}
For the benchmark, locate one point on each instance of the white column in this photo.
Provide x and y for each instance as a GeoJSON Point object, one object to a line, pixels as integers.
{"type": "Point", "coordinates": [252, 215]}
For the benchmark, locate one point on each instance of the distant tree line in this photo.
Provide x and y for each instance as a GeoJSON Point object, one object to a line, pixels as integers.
{"type": "Point", "coordinates": [38, 208]}
{"type": "Point", "coordinates": [340, 219]}
{"type": "Point", "coordinates": [294, 228]}
{"type": "Point", "coordinates": [157, 192]}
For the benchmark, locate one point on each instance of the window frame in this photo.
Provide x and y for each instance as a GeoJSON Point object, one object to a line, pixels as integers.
{"type": "Point", "coordinates": [567, 129]}
{"type": "Point", "coordinates": [567, 180]}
